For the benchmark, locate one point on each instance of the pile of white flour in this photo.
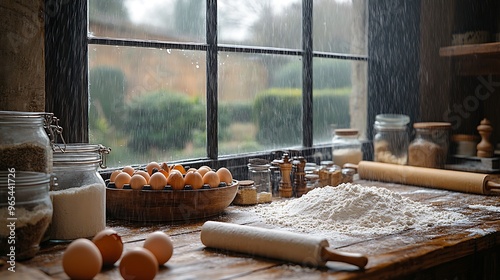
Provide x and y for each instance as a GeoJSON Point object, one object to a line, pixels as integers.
{"type": "Point", "coordinates": [354, 209]}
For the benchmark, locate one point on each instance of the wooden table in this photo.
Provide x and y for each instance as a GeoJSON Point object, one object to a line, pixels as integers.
{"type": "Point", "coordinates": [458, 252]}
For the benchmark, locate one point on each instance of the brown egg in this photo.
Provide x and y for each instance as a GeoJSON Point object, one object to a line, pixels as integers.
{"type": "Point", "coordinates": [122, 179]}
{"type": "Point", "coordinates": [180, 168]}
{"type": "Point", "coordinates": [143, 174]}
{"type": "Point", "coordinates": [160, 244]}
{"type": "Point", "coordinates": [194, 179]}
{"type": "Point", "coordinates": [225, 175]}
{"type": "Point", "coordinates": [175, 180]}
{"type": "Point", "coordinates": [165, 167]}
{"type": "Point", "coordinates": [82, 259]}
{"type": "Point", "coordinates": [110, 245]}
{"type": "Point", "coordinates": [158, 181]}
{"type": "Point", "coordinates": [113, 175]}
{"type": "Point", "coordinates": [138, 263]}
{"type": "Point", "coordinates": [211, 179]}
{"type": "Point", "coordinates": [164, 172]}
{"type": "Point", "coordinates": [152, 165]}
{"type": "Point", "coordinates": [129, 169]}
{"type": "Point", "coordinates": [204, 169]}
{"type": "Point", "coordinates": [191, 169]}
{"type": "Point", "coordinates": [137, 182]}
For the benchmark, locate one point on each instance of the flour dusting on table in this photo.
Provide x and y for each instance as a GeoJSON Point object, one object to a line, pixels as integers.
{"type": "Point", "coordinates": [354, 209]}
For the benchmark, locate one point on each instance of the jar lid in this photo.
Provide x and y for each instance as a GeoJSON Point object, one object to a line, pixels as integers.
{"type": "Point", "coordinates": [246, 183]}
{"type": "Point", "coordinates": [23, 178]}
{"type": "Point", "coordinates": [346, 132]}
{"type": "Point", "coordinates": [80, 153]}
{"type": "Point", "coordinates": [18, 117]}
{"type": "Point", "coordinates": [464, 137]}
{"type": "Point", "coordinates": [395, 119]}
{"type": "Point", "coordinates": [432, 125]}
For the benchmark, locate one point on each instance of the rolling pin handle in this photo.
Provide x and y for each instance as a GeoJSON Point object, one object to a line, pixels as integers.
{"type": "Point", "coordinates": [490, 185]}
{"type": "Point", "coordinates": [350, 258]}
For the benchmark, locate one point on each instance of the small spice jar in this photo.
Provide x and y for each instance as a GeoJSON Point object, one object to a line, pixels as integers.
{"type": "Point", "coordinates": [79, 198]}
{"type": "Point", "coordinates": [465, 144]}
{"type": "Point", "coordinates": [346, 147]}
{"type": "Point", "coordinates": [24, 142]}
{"type": "Point", "coordinates": [246, 194]}
{"type": "Point", "coordinates": [430, 146]}
{"type": "Point", "coordinates": [26, 209]}
{"type": "Point", "coordinates": [390, 143]}
{"type": "Point", "coordinates": [259, 171]}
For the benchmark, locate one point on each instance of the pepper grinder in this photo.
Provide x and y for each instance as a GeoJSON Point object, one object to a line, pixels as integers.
{"type": "Point", "coordinates": [484, 148]}
{"type": "Point", "coordinates": [300, 177]}
{"type": "Point", "coordinates": [285, 183]}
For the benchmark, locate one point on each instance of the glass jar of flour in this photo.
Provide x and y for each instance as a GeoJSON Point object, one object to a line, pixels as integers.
{"type": "Point", "coordinates": [346, 147]}
{"type": "Point", "coordinates": [79, 195]}
{"type": "Point", "coordinates": [391, 140]}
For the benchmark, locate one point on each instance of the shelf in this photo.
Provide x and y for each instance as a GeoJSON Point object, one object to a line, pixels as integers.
{"type": "Point", "coordinates": [477, 59]}
{"type": "Point", "coordinates": [470, 50]}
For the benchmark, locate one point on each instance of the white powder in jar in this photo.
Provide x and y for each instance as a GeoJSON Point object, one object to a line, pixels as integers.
{"type": "Point", "coordinates": [354, 209]}
{"type": "Point", "coordinates": [78, 212]}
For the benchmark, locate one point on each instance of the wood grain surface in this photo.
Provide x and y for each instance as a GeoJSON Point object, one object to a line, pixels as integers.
{"type": "Point", "coordinates": [453, 252]}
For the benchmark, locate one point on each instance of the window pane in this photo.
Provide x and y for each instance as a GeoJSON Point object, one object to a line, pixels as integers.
{"type": "Point", "coordinates": [339, 97]}
{"type": "Point", "coordinates": [260, 102]}
{"type": "Point", "coordinates": [340, 26]}
{"type": "Point", "coordinates": [164, 20]}
{"type": "Point", "coordinates": [260, 23]}
{"type": "Point", "coordinates": [147, 104]}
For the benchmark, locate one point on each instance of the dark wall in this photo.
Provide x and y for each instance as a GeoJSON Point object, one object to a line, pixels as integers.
{"type": "Point", "coordinates": [393, 65]}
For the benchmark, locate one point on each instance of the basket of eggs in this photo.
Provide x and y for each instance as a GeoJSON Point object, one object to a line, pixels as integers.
{"type": "Point", "coordinates": [160, 193]}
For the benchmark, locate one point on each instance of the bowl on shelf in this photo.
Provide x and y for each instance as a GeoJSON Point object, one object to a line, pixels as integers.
{"type": "Point", "coordinates": [168, 205]}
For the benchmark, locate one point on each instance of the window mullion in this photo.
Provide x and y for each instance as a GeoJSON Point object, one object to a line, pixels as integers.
{"type": "Point", "coordinates": [212, 81]}
{"type": "Point", "coordinates": [307, 74]}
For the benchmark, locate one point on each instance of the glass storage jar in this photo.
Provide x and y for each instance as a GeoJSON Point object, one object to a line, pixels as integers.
{"type": "Point", "coordinates": [26, 209]}
{"type": "Point", "coordinates": [346, 147]}
{"type": "Point", "coordinates": [79, 197]}
{"type": "Point", "coordinates": [430, 146]}
{"type": "Point", "coordinates": [390, 143]}
{"type": "Point", "coordinates": [24, 142]}
{"type": "Point", "coordinates": [260, 173]}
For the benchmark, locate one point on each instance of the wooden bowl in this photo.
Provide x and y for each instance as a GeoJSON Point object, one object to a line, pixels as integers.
{"type": "Point", "coordinates": [168, 205]}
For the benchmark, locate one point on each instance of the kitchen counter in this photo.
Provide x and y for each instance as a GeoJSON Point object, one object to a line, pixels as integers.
{"type": "Point", "coordinates": [461, 251]}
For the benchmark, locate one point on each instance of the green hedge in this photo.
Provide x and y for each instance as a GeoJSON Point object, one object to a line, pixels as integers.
{"type": "Point", "coordinates": [327, 74]}
{"type": "Point", "coordinates": [163, 120]}
{"type": "Point", "coordinates": [278, 114]}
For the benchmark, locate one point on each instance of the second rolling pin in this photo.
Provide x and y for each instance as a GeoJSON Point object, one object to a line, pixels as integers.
{"type": "Point", "coordinates": [276, 244]}
{"type": "Point", "coordinates": [467, 182]}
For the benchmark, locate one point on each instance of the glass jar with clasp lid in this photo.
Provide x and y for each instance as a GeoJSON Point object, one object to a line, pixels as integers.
{"type": "Point", "coordinates": [80, 192]}
{"type": "Point", "coordinates": [26, 140]}
{"type": "Point", "coordinates": [390, 142]}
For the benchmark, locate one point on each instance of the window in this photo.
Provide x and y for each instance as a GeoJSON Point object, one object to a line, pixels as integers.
{"type": "Point", "coordinates": [203, 80]}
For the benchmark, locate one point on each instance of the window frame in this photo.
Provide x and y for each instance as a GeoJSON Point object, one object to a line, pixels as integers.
{"type": "Point", "coordinates": [69, 26]}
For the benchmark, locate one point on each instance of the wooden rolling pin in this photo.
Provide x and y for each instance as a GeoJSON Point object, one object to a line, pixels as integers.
{"type": "Point", "coordinates": [467, 182]}
{"type": "Point", "coordinates": [276, 244]}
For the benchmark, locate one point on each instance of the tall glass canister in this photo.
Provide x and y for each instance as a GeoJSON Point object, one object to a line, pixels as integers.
{"type": "Point", "coordinates": [391, 140]}
{"type": "Point", "coordinates": [79, 197]}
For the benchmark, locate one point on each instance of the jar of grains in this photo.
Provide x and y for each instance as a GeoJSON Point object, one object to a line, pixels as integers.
{"type": "Point", "coordinates": [79, 197]}
{"type": "Point", "coordinates": [430, 146]}
{"type": "Point", "coordinates": [390, 143]}
{"type": "Point", "coordinates": [27, 209]}
{"type": "Point", "coordinates": [24, 142]}
{"type": "Point", "coordinates": [346, 148]}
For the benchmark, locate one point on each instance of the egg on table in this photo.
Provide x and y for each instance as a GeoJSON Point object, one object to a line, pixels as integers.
{"type": "Point", "coordinates": [138, 263]}
{"type": "Point", "coordinates": [160, 244]}
{"type": "Point", "coordinates": [82, 259]}
{"type": "Point", "coordinates": [110, 245]}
